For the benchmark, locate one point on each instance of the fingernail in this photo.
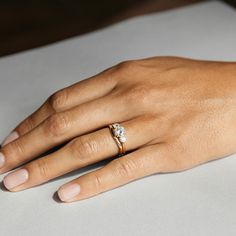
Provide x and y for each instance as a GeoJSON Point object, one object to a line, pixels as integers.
{"type": "Point", "coordinates": [16, 178]}
{"type": "Point", "coordinates": [68, 192]}
{"type": "Point", "coordinates": [2, 159]}
{"type": "Point", "coordinates": [11, 137]}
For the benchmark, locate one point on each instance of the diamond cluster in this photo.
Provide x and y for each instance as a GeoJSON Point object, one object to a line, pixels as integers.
{"type": "Point", "coordinates": [119, 132]}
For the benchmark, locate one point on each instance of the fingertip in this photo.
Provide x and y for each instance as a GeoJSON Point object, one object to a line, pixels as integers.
{"type": "Point", "coordinates": [68, 192]}
{"type": "Point", "coordinates": [15, 179]}
{"type": "Point", "coordinates": [2, 159]}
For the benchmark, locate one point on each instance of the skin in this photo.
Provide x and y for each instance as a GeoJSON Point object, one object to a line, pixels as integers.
{"type": "Point", "coordinates": [178, 113]}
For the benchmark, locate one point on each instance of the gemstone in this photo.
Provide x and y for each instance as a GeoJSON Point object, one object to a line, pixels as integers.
{"type": "Point", "coordinates": [116, 125]}
{"type": "Point", "coordinates": [123, 139]}
{"type": "Point", "coordinates": [119, 132]}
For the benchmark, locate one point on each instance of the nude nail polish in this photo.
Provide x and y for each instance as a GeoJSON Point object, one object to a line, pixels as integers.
{"type": "Point", "coordinates": [68, 191]}
{"type": "Point", "coordinates": [2, 159]}
{"type": "Point", "coordinates": [15, 178]}
{"type": "Point", "coordinates": [11, 137]}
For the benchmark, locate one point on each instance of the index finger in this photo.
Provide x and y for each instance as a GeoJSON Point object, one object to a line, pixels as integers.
{"type": "Point", "coordinates": [76, 94]}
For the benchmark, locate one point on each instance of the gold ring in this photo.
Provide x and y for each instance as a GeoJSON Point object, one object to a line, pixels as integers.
{"type": "Point", "coordinates": [118, 134]}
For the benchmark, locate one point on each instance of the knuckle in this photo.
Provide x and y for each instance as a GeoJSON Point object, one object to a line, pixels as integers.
{"type": "Point", "coordinates": [97, 182]}
{"type": "Point", "coordinates": [58, 100]}
{"type": "Point", "coordinates": [42, 168]}
{"type": "Point", "coordinates": [17, 148]}
{"type": "Point", "coordinates": [26, 125]}
{"type": "Point", "coordinates": [178, 164]}
{"type": "Point", "coordinates": [123, 168]}
{"type": "Point", "coordinates": [127, 66]}
{"type": "Point", "coordinates": [57, 124]}
{"type": "Point", "coordinates": [139, 94]}
{"type": "Point", "coordinates": [84, 147]}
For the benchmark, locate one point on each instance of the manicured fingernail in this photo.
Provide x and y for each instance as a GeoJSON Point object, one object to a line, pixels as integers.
{"type": "Point", "coordinates": [11, 137]}
{"type": "Point", "coordinates": [16, 178]}
{"type": "Point", "coordinates": [68, 192]}
{"type": "Point", "coordinates": [2, 159]}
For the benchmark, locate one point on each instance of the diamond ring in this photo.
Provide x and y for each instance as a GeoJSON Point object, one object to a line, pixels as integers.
{"type": "Point", "coordinates": [118, 134]}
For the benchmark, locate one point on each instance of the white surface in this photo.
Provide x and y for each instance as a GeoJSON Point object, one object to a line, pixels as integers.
{"type": "Point", "coordinates": [200, 201]}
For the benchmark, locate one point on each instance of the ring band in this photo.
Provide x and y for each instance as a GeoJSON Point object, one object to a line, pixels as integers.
{"type": "Point", "coordinates": [118, 134]}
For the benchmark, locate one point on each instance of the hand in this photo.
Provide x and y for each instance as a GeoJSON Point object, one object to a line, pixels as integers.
{"type": "Point", "coordinates": [177, 113]}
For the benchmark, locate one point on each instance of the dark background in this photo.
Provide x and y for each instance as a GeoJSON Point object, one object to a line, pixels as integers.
{"type": "Point", "coordinates": [28, 24]}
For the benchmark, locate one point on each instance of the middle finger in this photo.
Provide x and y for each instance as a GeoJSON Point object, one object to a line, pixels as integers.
{"type": "Point", "coordinates": [61, 127]}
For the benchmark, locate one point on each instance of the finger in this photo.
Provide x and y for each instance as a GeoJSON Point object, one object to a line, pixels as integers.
{"type": "Point", "coordinates": [61, 127]}
{"type": "Point", "coordinates": [80, 152]}
{"type": "Point", "coordinates": [79, 93]}
{"type": "Point", "coordinates": [143, 162]}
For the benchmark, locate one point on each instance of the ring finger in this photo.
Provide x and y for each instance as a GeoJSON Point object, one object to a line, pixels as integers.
{"type": "Point", "coordinates": [80, 152]}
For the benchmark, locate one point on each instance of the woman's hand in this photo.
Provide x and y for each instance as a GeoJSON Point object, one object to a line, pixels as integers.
{"type": "Point", "coordinates": [177, 113]}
